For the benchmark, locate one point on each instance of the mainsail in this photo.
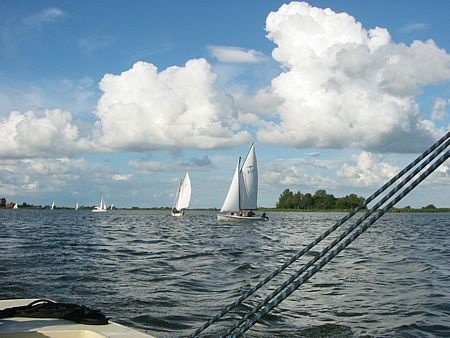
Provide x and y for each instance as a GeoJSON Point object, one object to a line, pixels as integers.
{"type": "Point", "coordinates": [183, 194]}
{"type": "Point", "coordinates": [249, 190]}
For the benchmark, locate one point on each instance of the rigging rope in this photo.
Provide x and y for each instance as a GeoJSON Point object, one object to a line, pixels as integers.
{"type": "Point", "coordinates": [437, 147]}
{"type": "Point", "coordinates": [299, 281]}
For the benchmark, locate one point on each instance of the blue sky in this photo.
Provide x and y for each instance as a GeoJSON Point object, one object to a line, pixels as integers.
{"type": "Point", "coordinates": [123, 97]}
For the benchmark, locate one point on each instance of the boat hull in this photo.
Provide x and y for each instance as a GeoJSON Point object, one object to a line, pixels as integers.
{"type": "Point", "coordinates": [240, 219]}
{"type": "Point", "coordinates": [177, 214]}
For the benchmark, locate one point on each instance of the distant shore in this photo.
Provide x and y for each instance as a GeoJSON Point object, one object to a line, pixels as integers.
{"type": "Point", "coordinates": [262, 209]}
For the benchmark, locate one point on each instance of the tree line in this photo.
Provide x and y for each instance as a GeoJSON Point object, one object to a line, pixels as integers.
{"type": "Point", "coordinates": [320, 200]}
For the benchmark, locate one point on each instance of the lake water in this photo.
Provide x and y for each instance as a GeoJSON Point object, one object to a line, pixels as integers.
{"type": "Point", "coordinates": [167, 276]}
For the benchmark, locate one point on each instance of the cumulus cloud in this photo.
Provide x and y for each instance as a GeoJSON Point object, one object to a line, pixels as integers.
{"type": "Point", "coordinates": [368, 169]}
{"type": "Point", "coordinates": [308, 172]}
{"type": "Point", "coordinates": [26, 135]}
{"type": "Point", "coordinates": [344, 85]}
{"type": "Point", "coordinates": [143, 109]}
{"type": "Point", "coordinates": [229, 54]}
{"type": "Point", "coordinates": [39, 174]}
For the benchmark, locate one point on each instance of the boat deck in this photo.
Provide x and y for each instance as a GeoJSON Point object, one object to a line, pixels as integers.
{"type": "Point", "coordinates": [21, 327]}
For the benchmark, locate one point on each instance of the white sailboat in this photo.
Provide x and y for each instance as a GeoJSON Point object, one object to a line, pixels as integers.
{"type": "Point", "coordinates": [76, 206]}
{"type": "Point", "coordinates": [183, 196]}
{"type": "Point", "coordinates": [15, 206]}
{"type": "Point", "coordinates": [242, 196]}
{"type": "Point", "coordinates": [53, 206]}
{"type": "Point", "coordinates": [101, 207]}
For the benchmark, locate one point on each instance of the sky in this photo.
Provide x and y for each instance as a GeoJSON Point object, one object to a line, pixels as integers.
{"type": "Point", "coordinates": [122, 98]}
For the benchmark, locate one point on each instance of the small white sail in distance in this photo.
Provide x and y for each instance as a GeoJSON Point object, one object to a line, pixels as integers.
{"type": "Point", "coordinates": [183, 196]}
{"type": "Point", "coordinates": [101, 207]}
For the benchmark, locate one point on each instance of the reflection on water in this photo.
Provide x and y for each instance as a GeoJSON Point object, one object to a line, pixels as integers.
{"type": "Point", "coordinates": [169, 275]}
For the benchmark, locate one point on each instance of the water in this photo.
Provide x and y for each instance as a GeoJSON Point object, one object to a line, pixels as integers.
{"type": "Point", "coordinates": [167, 275]}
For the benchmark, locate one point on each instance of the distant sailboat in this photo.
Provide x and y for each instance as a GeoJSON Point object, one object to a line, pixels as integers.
{"type": "Point", "coordinates": [76, 206]}
{"type": "Point", "coordinates": [183, 196]}
{"type": "Point", "coordinates": [15, 206]}
{"type": "Point", "coordinates": [243, 192]}
{"type": "Point", "coordinates": [101, 207]}
{"type": "Point", "coordinates": [53, 206]}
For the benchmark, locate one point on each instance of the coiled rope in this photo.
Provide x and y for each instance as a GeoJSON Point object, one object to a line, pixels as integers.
{"type": "Point", "coordinates": [296, 279]}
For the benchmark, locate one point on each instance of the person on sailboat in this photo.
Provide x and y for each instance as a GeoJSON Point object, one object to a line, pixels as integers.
{"type": "Point", "coordinates": [176, 211]}
{"type": "Point", "coordinates": [250, 213]}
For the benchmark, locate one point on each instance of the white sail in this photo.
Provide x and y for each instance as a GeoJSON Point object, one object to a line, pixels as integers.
{"type": "Point", "coordinates": [249, 187]}
{"type": "Point", "coordinates": [231, 202]}
{"type": "Point", "coordinates": [243, 192]}
{"type": "Point", "coordinates": [16, 206]}
{"type": "Point", "coordinates": [101, 207]}
{"type": "Point", "coordinates": [53, 206]}
{"type": "Point", "coordinates": [76, 206]}
{"type": "Point", "coordinates": [183, 197]}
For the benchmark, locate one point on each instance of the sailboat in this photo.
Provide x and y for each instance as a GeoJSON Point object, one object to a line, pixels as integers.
{"type": "Point", "coordinates": [101, 207]}
{"type": "Point", "coordinates": [242, 195]}
{"type": "Point", "coordinates": [183, 196]}
{"type": "Point", "coordinates": [76, 206]}
{"type": "Point", "coordinates": [53, 206]}
{"type": "Point", "coordinates": [15, 206]}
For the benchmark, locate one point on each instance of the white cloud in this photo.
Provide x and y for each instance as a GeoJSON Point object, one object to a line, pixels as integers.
{"type": "Point", "coordinates": [121, 177]}
{"type": "Point", "coordinates": [367, 170]}
{"type": "Point", "coordinates": [42, 17]}
{"type": "Point", "coordinates": [147, 167]}
{"type": "Point", "coordinates": [143, 109]}
{"type": "Point", "coordinates": [229, 54]}
{"type": "Point", "coordinates": [27, 135]}
{"type": "Point", "coordinates": [39, 175]}
{"type": "Point", "coordinates": [439, 108]}
{"type": "Point", "coordinates": [344, 86]}
{"type": "Point", "coordinates": [306, 174]}
{"type": "Point", "coordinates": [413, 27]}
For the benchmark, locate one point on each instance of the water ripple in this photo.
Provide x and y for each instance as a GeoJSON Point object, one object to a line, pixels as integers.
{"type": "Point", "coordinates": [168, 275]}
